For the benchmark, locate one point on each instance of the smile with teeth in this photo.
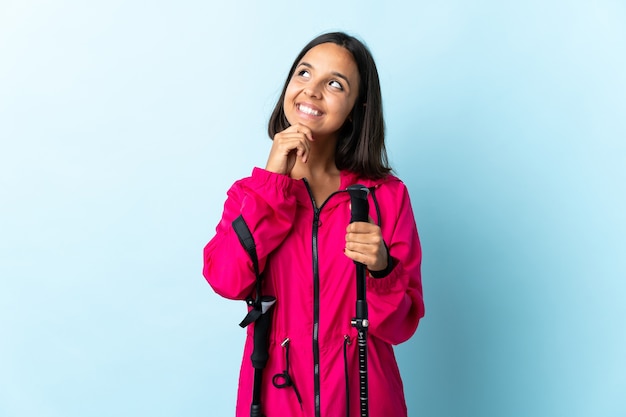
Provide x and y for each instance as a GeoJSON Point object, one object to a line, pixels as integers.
{"type": "Point", "coordinates": [309, 110]}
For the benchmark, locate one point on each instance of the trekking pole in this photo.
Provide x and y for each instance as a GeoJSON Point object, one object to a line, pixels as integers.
{"type": "Point", "coordinates": [260, 353]}
{"type": "Point", "coordinates": [259, 314]}
{"type": "Point", "coordinates": [359, 213]}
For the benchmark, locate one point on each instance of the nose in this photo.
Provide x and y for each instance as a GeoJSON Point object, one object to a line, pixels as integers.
{"type": "Point", "coordinates": [313, 90]}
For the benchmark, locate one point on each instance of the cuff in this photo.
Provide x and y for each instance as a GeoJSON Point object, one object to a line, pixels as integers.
{"type": "Point", "coordinates": [274, 182]}
{"type": "Point", "coordinates": [387, 270]}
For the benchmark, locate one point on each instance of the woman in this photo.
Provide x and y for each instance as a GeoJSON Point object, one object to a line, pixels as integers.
{"type": "Point", "coordinates": [328, 133]}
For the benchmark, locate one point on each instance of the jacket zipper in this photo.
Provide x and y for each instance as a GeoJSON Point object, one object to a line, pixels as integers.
{"type": "Point", "coordinates": [316, 298]}
{"type": "Point", "coordinates": [316, 311]}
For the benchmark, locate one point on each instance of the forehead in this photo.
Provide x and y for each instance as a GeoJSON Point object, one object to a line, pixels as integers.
{"type": "Point", "coordinates": [332, 58]}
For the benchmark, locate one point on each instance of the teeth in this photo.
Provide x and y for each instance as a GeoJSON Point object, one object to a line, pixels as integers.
{"type": "Point", "coordinates": [308, 110]}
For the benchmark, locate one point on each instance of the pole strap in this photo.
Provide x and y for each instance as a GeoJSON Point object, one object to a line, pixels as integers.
{"type": "Point", "coordinates": [247, 241]}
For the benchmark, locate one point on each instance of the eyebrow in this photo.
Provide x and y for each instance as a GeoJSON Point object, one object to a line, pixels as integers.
{"type": "Point", "coordinates": [335, 73]}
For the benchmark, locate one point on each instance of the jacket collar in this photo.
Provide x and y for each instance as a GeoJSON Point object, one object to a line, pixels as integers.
{"type": "Point", "coordinates": [347, 178]}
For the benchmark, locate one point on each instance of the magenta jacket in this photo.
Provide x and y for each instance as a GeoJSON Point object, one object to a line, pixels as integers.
{"type": "Point", "coordinates": [300, 250]}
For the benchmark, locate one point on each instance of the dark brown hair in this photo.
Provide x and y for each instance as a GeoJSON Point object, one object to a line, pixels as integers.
{"type": "Point", "coordinates": [361, 144]}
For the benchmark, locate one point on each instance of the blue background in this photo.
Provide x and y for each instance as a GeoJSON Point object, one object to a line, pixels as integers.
{"type": "Point", "coordinates": [123, 123]}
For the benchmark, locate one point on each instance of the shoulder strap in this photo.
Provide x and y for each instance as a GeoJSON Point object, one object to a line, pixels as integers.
{"type": "Point", "coordinates": [247, 241]}
{"type": "Point", "coordinates": [373, 194]}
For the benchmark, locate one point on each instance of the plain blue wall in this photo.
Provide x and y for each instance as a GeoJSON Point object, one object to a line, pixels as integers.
{"type": "Point", "coordinates": [123, 123]}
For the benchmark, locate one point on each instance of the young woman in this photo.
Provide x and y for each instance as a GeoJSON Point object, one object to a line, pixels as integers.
{"type": "Point", "coordinates": [328, 133]}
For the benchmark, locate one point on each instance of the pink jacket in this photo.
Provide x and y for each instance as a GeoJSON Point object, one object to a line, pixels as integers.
{"type": "Point", "coordinates": [300, 250]}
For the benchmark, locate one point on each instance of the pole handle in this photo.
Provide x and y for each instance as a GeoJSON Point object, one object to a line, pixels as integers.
{"type": "Point", "coordinates": [260, 353]}
{"type": "Point", "coordinates": [358, 201]}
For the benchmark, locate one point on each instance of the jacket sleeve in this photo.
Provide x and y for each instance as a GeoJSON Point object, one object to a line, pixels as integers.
{"type": "Point", "coordinates": [395, 302]}
{"type": "Point", "coordinates": [268, 207]}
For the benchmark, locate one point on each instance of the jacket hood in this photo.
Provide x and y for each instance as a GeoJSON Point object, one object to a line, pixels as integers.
{"type": "Point", "coordinates": [350, 178]}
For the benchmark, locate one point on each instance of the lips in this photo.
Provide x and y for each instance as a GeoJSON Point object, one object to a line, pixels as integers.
{"type": "Point", "coordinates": [308, 109]}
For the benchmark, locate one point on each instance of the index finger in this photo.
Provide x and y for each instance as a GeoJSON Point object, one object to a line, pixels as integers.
{"type": "Point", "coordinates": [305, 130]}
{"type": "Point", "coordinates": [361, 227]}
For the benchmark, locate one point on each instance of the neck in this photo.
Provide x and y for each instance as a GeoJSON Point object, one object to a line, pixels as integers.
{"type": "Point", "coordinates": [321, 161]}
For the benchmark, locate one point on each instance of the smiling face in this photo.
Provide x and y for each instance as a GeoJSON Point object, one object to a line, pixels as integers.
{"type": "Point", "coordinates": [322, 90]}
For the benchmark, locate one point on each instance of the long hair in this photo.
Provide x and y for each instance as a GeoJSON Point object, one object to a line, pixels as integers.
{"type": "Point", "coordinates": [361, 143]}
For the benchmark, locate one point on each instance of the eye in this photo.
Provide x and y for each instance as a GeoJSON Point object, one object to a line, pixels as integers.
{"type": "Point", "coordinates": [336, 84]}
{"type": "Point", "coordinates": [304, 73]}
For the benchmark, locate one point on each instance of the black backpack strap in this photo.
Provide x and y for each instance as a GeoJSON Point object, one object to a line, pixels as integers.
{"type": "Point", "coordinates": [375, 200]}
{"type": "Point", "coordinates": [390, 265]}
{"type": "Point", "coordinates": [247, 241]}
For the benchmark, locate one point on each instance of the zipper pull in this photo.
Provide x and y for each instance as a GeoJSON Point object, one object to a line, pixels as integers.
{"type": "Point", "coordinates": [316, 217]}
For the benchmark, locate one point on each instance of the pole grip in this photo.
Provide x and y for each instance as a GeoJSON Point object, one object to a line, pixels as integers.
{"type": "Point", "coordinates": [358, 201]}
{"type": "Point", "coordinates": [260, 353]}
